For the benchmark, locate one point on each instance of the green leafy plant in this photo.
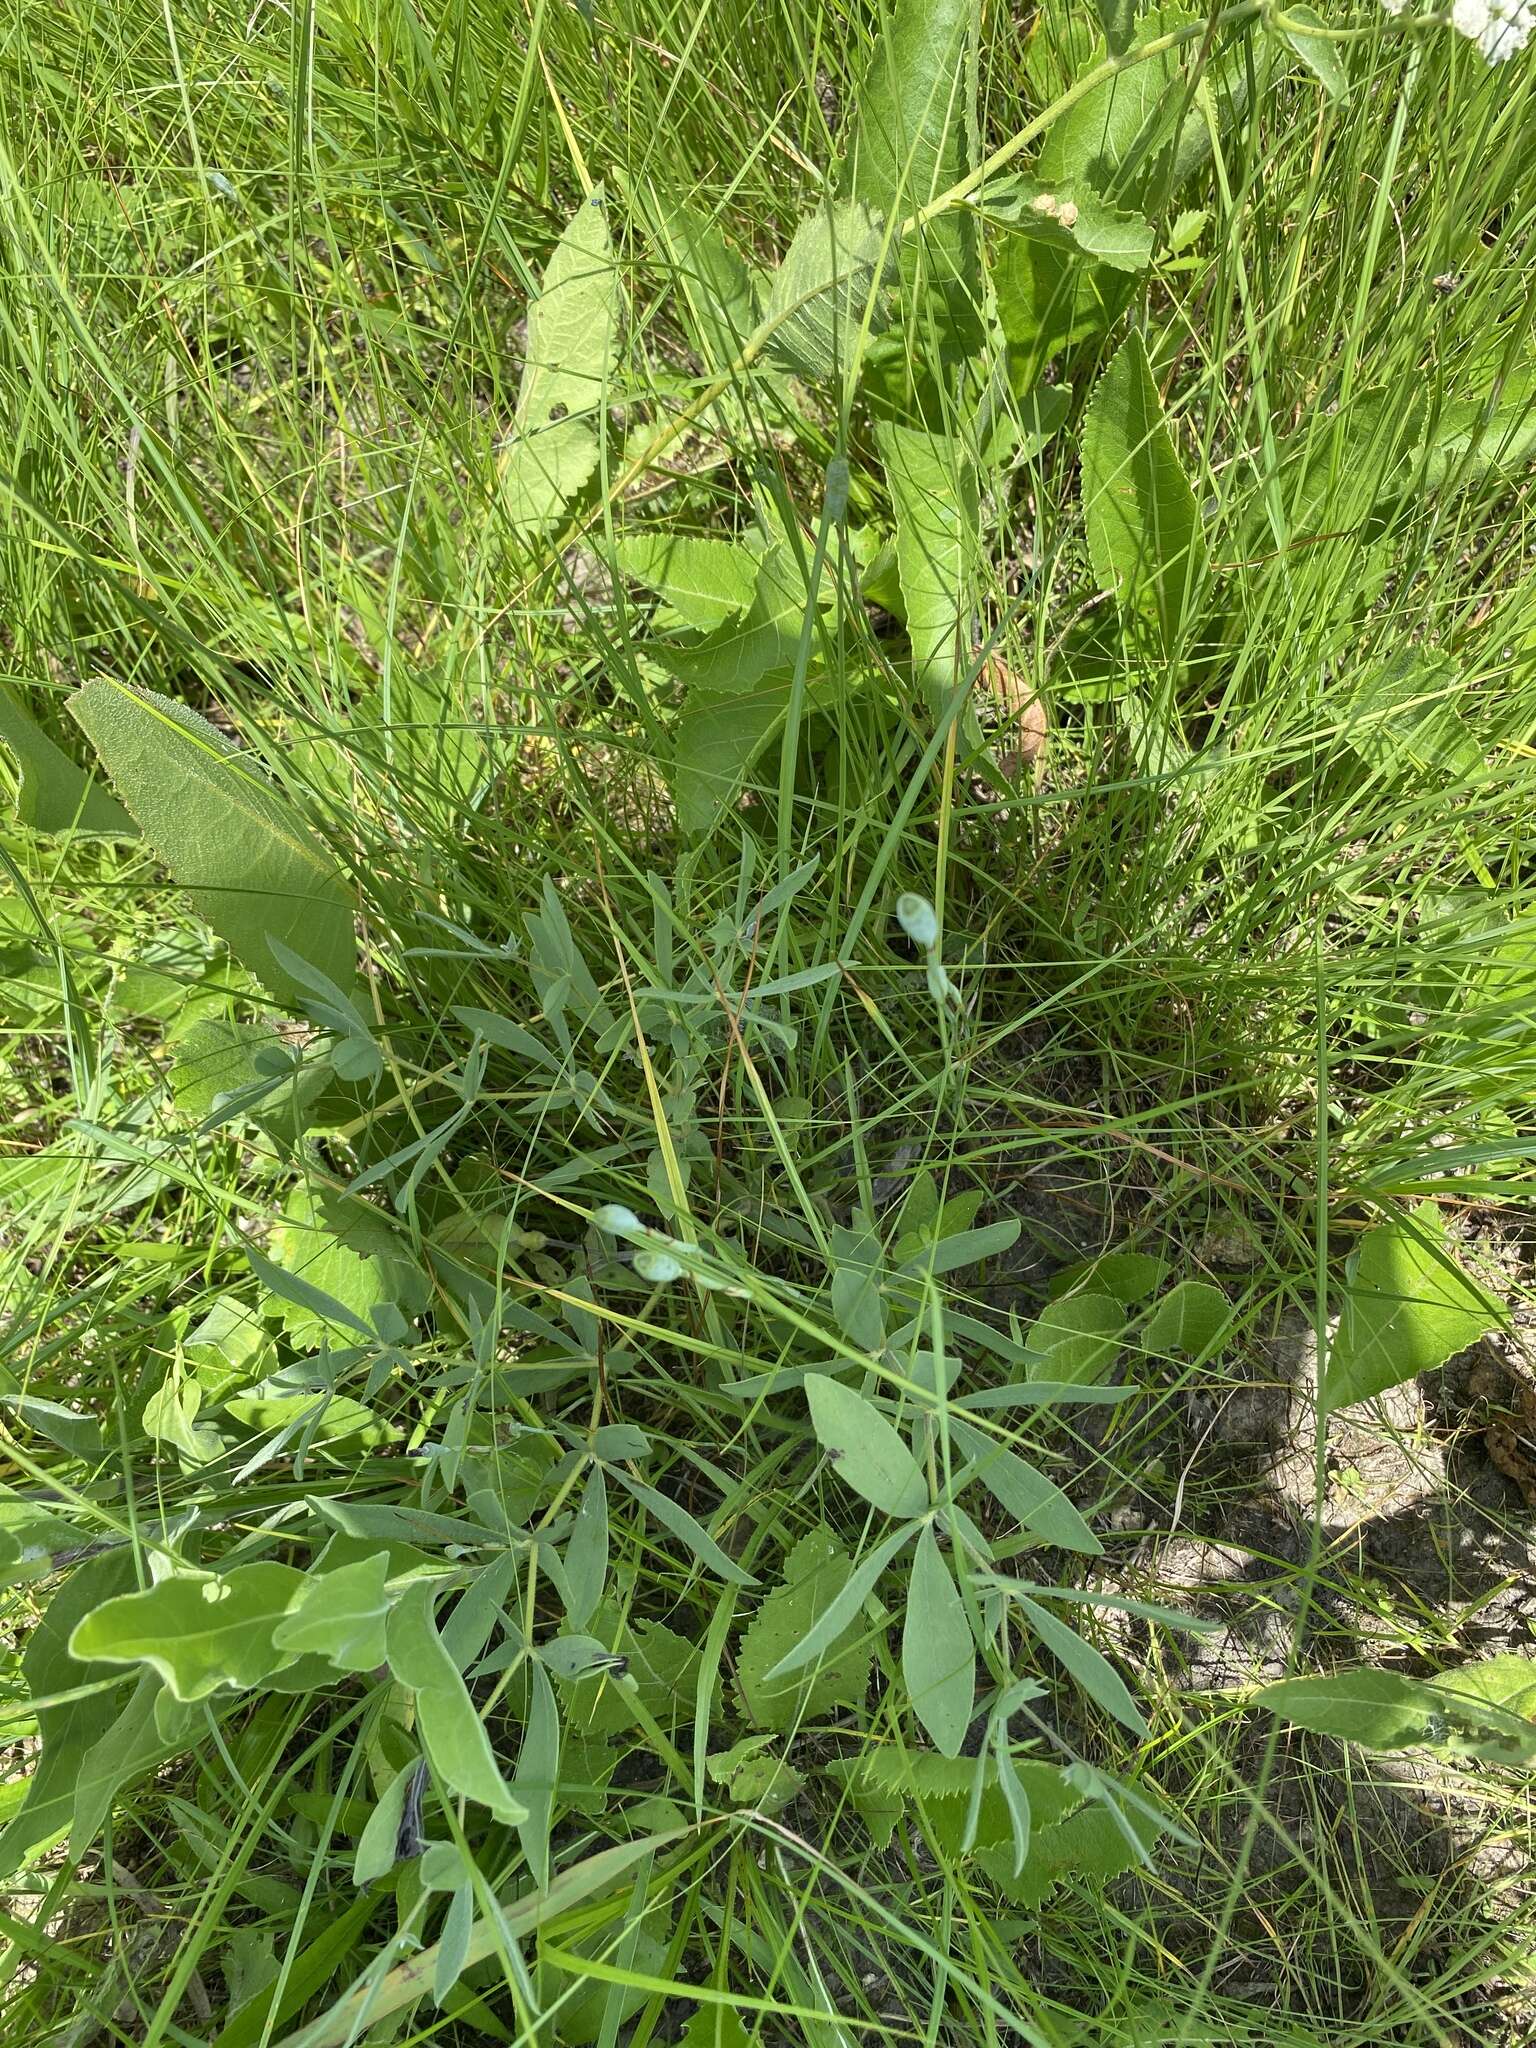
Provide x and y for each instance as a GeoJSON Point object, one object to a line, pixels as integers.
{"type": "Point", "coordinates": [630, 1278]}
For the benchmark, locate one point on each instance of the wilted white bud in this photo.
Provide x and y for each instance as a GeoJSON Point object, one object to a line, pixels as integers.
{"type": "Point", "coordinates": [659, 1268]}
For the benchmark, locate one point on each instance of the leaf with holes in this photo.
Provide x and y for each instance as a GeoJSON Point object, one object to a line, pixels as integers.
{"type": "Point", "coordinates": [573, 324]}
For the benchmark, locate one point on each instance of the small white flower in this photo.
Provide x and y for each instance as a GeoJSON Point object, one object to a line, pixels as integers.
{"type": "Point", "coordinates": [1499, 28]}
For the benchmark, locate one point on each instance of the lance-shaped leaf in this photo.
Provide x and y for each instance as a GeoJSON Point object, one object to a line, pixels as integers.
{"type": "Point", "coordinates": [1144, 534]}
{"type": "Point", "coordinates": [253, 869]}
{"type": "Point", "coordinates": [864, 1449]}
{"type": "Point", "coordinates": [914, 137]}
{"type": "Point", "coordinates": [938, 1657]}
{"type": "Point", "coordinates": [827, 289]}
{"type": "Point", "coordinates": [935, 493]}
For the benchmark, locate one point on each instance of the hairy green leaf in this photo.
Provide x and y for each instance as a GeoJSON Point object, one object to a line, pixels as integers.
{"type": "Point", "coordinates": [1482, 1710]}
{"type": "Point", "coordinates": [56, 794]}
{"type": "Point", "coordinates": [229, 837]}
{"type": "Point", "coordinates": [1144, 533]}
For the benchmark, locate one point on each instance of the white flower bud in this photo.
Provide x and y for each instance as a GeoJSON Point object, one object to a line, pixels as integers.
{"type": "Point", "coordinates": [916, 917]}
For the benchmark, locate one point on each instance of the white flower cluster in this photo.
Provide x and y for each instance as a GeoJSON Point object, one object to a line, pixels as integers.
{"type": "Point", "coordinates": [1498, 27]}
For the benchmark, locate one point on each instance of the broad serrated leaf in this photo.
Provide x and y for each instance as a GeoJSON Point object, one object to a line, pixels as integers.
{"type": "Point", "coordinates": [56, 794]}
{"type": "Point", "coordinates": [1144, 533]}
{"type": "Point", "coordinates": [706, 582]}
{"type": "Point", "coordinates": [228, 836]}
{"type": "Point", "coordinates": [864, 1449]}
{"type": "Point", "coordinates": [835, 1618]}
{"type": "Point", "coordinates": [738, 682]}
{"type": "Point", "coordinates": [827, 290]}
{"type": "Point", "coordinates": [719, 737]}
{"type": "Point", "coordinates": [715, 284]}
{"type": "Point", "coordinates": [816, 1571]}
{"type": "Point", "coordinates": [914, 136]}
{"type": "Point", "coordinates": [1408, 1307]}
{"type": "Point", "coordinates": [1089, 1846]}
{"type": "Point", "coordinates": [1122, 136]}
{"type": "Point", "coordinates": [347, 1265]}
{"type": "Point", "coordinates": [936, 498]}
{"type": "Point", "coordinates": [939, 1792]}
{"type": "Point", "coordinates": [938, 1655]}
{"type": "Point", "coordinates": [1406, 718]}
{"type": "Point", "coordinates": [200, 1634]}
{"type": "Point", "coordinates": [542, 471]}
{"type": "Point", "coordinates": [573, 324]}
